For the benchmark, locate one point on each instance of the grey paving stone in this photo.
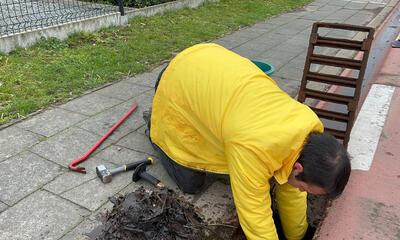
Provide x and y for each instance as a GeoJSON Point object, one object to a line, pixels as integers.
{"type": "Point", "coordinates": [216, 204]}
{"type": "Point", "coordinates": [317, 16]}
{"type": "Point", "coordinates": [293, 49]}
{"type": "Point", "coordinates": [290, 86]}
{"type": "Point", "coordinates": [14, 140]}
{"type": "Point", "coordinates": [300, 41]}
{"type": "Point", "coordinates": [290, 72]}
{"type": "Point", "coordinates": [3, 206]}
{"type": "Point", "coordinates": [146, 79]}
{"type": "Point", "coordinates": [340, 16]}
{"type": "Point", "coordinates": [230, 41]}
{"type": "Point", "coordinates": [142, 130]}
{"type": "Point", "coordinates": [248, 33]}
{"type": "Point", "coordinates": [266, 41]}
{"type": "Point", "coordinates": [266, 27]}
{"type": "Point", "coordinates": [356, 5]}
{"type": "Point", "coordinates": [337, 33]}
{"type": "Point", "coordinates": [145, 101]}
{"type": "Point", "coordinates": [300, 24]}
{"type": "Point", "coordinates": [123, 90]}
{"type": "Point", "coordinates": [287, 31]}
{"type": "Point", "coordinates": [330, 8]}
{"type": "Point", "coordinates": [65, 147]}
{"type": "Point", "coordinates": [275, 54]}
{"type": "Point", "coordinates": [121, 155]}
{"type": "Point", "coordinates": [374, 6]}
{"type": "Point", "coordinates": [360, 19]}
{"type": "Point", "coordinates": [137, 142]}
{"type": "Point", "coordinates": [101, 123]}
{"type": "Point", "coordinates": [90, 104]}
{"type": "Point", "coordinates": [296, 63]}
{"type": "Point", "coordinates": [70, 179]}
{"type": "Point", "coordinates": [88, 224]}
{"type": "Point", "coordinates": [51, 122]}
{"type": "Point", "coordinates": [42, 215]}
{"type": "Point", "coordinates": [93, 194]}
{"type": "Point", "coordinates": [338, 3]}
{"type": "Point", "coordinates": [23, 174]}
{"type": "Point", "coordinates": [249, 51]}
{"type": "Point", "coordinates": [281, 19]}
{"type": "Point", "coordinates": [312, 8]}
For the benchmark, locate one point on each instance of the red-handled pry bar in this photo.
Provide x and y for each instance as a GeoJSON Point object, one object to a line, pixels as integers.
{"type": "Point", "coordinates": [73, 165]}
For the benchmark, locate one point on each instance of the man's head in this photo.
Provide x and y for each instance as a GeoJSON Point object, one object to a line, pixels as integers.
{"type": "Point", "coordinates": [323, 166]}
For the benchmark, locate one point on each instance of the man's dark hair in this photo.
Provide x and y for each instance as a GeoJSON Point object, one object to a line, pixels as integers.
{"type": "Point", "coordinates": [326, 163]}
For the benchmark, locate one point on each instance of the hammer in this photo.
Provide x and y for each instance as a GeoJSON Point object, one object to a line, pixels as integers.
{"type": "Point", "coordinates": [106, 174]}
{"type": "Point", "coordinates": [140, 173]}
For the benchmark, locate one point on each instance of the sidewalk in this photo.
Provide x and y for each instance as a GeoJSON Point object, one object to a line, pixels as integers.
{"type": "Point", "coordinates": [41, 199]}
{"type": "Point", "coordinates": [369, 209]}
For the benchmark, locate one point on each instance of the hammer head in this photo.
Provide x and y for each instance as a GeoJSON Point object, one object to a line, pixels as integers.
{"type": "Point", "coordinates": [104, 174]}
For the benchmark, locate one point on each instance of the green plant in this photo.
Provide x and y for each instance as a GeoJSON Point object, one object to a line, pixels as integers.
{"type": "Point", "coordinates": [54, 71]}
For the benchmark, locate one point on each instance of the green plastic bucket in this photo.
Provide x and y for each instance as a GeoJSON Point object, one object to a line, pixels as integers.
{"type": "Point", "coordinates": [265, 67]}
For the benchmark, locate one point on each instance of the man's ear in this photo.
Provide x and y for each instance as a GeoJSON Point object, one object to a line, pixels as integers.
{"type": "Point", "coordinates": [297, 168]}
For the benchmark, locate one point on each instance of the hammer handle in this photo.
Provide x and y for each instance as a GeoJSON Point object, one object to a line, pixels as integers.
{"type": "Point", "coordinates": [132, 166]}
{"type": "Point", "coordinates": [149, 178]}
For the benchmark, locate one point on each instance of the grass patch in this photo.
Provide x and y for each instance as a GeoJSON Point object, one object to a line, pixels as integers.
{"type": "Point", "coordinates": [53, 70]}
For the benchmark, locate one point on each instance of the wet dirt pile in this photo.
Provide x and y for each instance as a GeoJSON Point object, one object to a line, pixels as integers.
{"type": "Point", "coordinates": [157, 214]}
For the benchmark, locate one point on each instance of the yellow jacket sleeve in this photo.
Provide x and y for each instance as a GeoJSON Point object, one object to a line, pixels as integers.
{"type": "Point", "coordinates": [292, 208]}
{"type": "Point", "coordinates": [250, 188]}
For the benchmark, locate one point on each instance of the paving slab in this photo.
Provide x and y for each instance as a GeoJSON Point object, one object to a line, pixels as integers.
{"type": "Point", "coordinates": [290, 86]}
{"type": "Point", "coordinates": [90, 104]}
{"type": "Point", "coordinates": [355, 5]}
{"type": "Point", "coordinates": [123, 90]}
{"type": "Point", "coordinates": [248, 51]}
{"type": "Point", "coordinates": [147, 79]}
{"type": "Point", "coordinates": [290, 72]}
{"type": "Point", "coordinates": [331, 8]}
{"type": "Point", "coordinates": [318, 15]}
{"type": "Point", "coordinates": [374, 6]}
{"type": "Point", "coordinates": [230, 42]}
{"type": "Point", "coordinates": [338, 3]}
{"type": "Point", "coordinates": [281, 19]}
{"type": "Point", "coordinates": [3, 206]}
{"type": "Point", "coordinates": [70, 179]}
{"type": "Point", "coordinates": [67, 146]}
{"type": "Point", "coordinates": [42, 215]}
{"type": "Point", "coordinates": [340, 16]}
{"type": "Point", "coordinates": [88, 224]}
{"type": "Point", "coordinates": [98, 191]}
{"type": "Point", "coordinates": [14, 140]}
{"type": "Point", "coordinates": [266, 41]}
{"type": "Point", "coordinates": [121, 155]}
{"type": "Point", "coordinates": [137, 142]}
{"type": "Point", "coordinates": [51, 121]}
{"type": "Point", "coordinates": [216, 204]}
{"type": "Point", "coordinates": [275, 54]}
{"type": "Point", "coordinates": [23, 174]}
{"type": "Point", "coordinates": [101, 123]}
{"type": "Point", "coordinates": [360, 19]}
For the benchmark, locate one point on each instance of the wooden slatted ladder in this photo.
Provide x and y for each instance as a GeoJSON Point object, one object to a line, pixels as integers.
{"type": "Point", "coordinates": [345, 97]}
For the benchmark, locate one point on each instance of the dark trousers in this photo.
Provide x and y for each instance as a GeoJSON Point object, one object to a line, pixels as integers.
{"type": "Point", "coordinates": [188, 180]}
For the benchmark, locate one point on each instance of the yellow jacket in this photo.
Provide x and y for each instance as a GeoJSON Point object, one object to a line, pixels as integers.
{"type": "Point", "coordinates": [216, 111]}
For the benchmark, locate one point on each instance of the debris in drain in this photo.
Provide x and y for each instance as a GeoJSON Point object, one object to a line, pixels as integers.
{"type": "Point", "coordinates": [158, 214]}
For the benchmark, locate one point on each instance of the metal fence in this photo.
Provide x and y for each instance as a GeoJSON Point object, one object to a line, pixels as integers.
{"type": "Point", "coordinates": [24, 15]}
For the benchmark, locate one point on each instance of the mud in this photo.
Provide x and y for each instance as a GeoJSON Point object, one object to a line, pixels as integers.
{"type": "Point", "coordinates": [158, 214]}
{"type": "Point", "coordinates": [164, 214]}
